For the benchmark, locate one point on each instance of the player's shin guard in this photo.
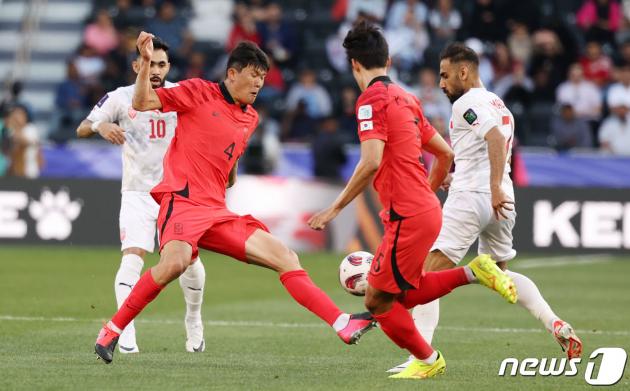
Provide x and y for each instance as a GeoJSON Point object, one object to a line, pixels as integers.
{"type": "Point", "coordinates": [530, 298]}
{"type": "Point", "coordinates": [145, 291]}
{"type": "Point", "coordinates": [434, 285]}
{"type": "Point", "coordinates": [304, 291]}
{"type": "Point", "coordinates": [398, 325]}
{"type": "Point", "coordinates": [192, 282]}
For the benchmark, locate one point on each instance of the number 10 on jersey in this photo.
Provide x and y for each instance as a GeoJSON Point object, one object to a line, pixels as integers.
{"type": "Point", "coordinates": [158, 128]}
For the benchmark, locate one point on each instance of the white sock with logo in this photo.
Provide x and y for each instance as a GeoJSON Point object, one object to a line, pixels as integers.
{"type": "Point", "coordinates": [529, 297]}
{"type": "Point", "coordinates": [426, 317]}
{"type": "Point", "coordinates": [126, 278]}
{"type": "Point", "coordinates": [193, 281]}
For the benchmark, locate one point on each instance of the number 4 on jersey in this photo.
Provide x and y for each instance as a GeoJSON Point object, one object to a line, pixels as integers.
{"type": "Point", "coordinates": [230, 150]}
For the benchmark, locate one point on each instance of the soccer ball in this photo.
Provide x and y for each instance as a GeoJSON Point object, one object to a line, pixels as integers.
{"type": "Point", "coordinates": [353, 272]}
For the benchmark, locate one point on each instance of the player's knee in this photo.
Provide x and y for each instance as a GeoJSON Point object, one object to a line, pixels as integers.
{"type": "Point", "coordinates": [288, 260]}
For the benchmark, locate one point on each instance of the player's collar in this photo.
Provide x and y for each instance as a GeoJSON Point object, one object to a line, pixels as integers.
{"type": "Point", "coordinates": [228, 98]}
{"type": "Point", "coordinates": [384, 79]}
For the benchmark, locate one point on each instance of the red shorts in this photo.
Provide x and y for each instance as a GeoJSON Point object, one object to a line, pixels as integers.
{"type": "Point", "coordinates": [212, 228]}
{"type": "Point", "coordinates": [406, 243]}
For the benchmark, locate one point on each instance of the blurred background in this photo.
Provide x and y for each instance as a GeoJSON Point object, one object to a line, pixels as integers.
{"type": "Point", "coordinates": [561, 66]}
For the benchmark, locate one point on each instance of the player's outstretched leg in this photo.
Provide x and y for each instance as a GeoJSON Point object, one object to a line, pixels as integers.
{"type": "Point", "coordinates": [530, 298]}
{"type": "Point", "coordinates": [127, 276]}
{"type": "Point", "coordinates": [175, 258]}
{"type": "Point", "coordinates": [263, 249]}
{"type": "Point", "coordinates": [192, 282]}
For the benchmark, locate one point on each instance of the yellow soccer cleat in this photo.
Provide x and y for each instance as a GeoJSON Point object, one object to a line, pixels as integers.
{"type": "Point", "coordinates": [490, 275]}
{"type": "Point", "coordinates": [419, 370]}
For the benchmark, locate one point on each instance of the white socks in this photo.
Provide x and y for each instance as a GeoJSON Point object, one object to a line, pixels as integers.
{"type": "Point", "coordinates": [432, 358]}
{"type": "Point", "coordinates": [127, 276]}
{"type": "Point", "coordinates": [426, 317]}
{"type": "Point", "coordinates": [470, 275]}
{"type": "Point", "coordinates": [529, 297]}
{"type": "Point", "coordinates": [192, 282]}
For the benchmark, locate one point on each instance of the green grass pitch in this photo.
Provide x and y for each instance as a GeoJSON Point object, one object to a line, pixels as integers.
{"type": "Point", "coordinates": [54, 299]}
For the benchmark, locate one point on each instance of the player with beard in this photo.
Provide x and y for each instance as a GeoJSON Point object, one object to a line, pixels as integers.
{"type": "Point", "coordinates": [144, 137]}
{"type": "Point", "coordinates": [480, 202]}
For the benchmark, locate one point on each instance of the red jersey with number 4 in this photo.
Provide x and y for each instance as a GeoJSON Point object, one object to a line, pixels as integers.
{"type": "Point", "coordinates": [387, 112]}
{"type": "Point", "coordinates": [212, 133]}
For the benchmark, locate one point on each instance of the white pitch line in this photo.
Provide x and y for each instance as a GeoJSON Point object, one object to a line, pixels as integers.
{"type": "Point", "coordinates": [244, 323]}
{"type": "Point", "coordinates": [564, 260]}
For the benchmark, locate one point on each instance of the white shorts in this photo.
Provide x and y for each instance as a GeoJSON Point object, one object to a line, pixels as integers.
{"type": "Point", "coordinates": [468, 216]}
{"type": "Point", "coordinates": [138, 219]}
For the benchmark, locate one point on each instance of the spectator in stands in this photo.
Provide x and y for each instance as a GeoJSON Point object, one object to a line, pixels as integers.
{"type": "Point", "coordinates": [25, 154]}
{"type": "Point", "coordinates": [520, 43]}
{"type": "Point", "coordinates": [173, 29]}
{"type": "Point", "coordinates": [614, 134]}
{"type": "Point", "coordinates": [444, 22]}
{"type": "Point", "coordinates": [329, 154]}
{"type": "Point", "coordinates": [596, 65]}
{"type": "Point", "coordinates": [583, 95]}
{"type": "Point", "coordinates": [196, 67]}
{"type": "Point", "coordinates": [515, 86]}
{"type": "Point", "coordinates": [569, 131]}
{"type": "Point", "coordinates": [600, 19]}
{"type": "Point", "coordinates": [243, 29]}
{"type": "Point", "coordinates": [89, 65]}
{"type": "Point", "coordinates": [317, 102]}
{"type": "Point", "coordinates": [5, 146]}
{"type": "Point", "coordinates": [101, 35]}
{"type": "Point", "coordinates": [406, 33]}
{"type": "Point", "coordinates": [264, 148]}
{"type": "Point", "coordinates": [435, 104]}
{"type": "Point", "coordinates": [549, 63]}
{"type": "Point", "coordinates": [623, 55]}
{"type": "Point", "coordinates": [486, 74]}
{"type": "Point", "coordinates": [346, 116]}
{"type": "Point", "coordinates": [502, 62]}
{"type": "Point", "coordinates": [374, 10]}
{"type": "Point", "coordinates": [70, 105]}
{"type": "Point", "coordinates": [121, 14]}
{"type": "Point", "coordinates": [487, 21]}
{"type": "Point", "coordinates": [274, 84]}
{"type": "Point", "coordinates": [278, 35]}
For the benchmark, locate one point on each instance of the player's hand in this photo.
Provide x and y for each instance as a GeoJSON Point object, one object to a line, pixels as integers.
{"type": "Point", "coordinates": [447, 182]}
{"type": "Point", "coordinates": [145, 45]}
{"type": "Point", "coordinates": [112, 133]}
{"type": "Point", "coordinates": [501, 203]}
{"type": "Point", "coordinates": [320, 219]}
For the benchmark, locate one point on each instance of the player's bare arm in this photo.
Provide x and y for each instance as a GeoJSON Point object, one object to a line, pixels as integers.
{"type": "Point", "coordinates": [371, 156]}
{"type": "Point", "coordinates": [108, 130]}
{"type": "Point", "coordinates": [496, 154]}
{"type": "Point", "coordinates": [232, 176]}
{"type": "Point", "coordinates": [144, 97]}
{"type": "Point", "coordinates": [444, 156]}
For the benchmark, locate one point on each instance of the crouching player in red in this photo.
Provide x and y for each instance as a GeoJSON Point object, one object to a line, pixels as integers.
{"type": "Point", "coordinates": [393, 131]}
{"type": "Point", "coordinates": [214, 123]}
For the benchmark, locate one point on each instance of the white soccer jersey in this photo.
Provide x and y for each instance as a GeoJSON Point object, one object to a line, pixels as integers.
{"type": "Point", "coordinates": [147, 135]}
{"type": "Point", "coordinates": [474, 114]}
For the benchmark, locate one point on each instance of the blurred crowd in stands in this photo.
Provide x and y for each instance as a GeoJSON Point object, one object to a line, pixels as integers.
{"type": "Point", "coordinates": [561, 66]}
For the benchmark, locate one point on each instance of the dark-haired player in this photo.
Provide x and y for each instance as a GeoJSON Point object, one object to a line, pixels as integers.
{"type": "Point", "coordinates": [145, 136]}
{"type": "Point", "coordinates": [214, 123]}
{"type": "Point", "coordinates": [393, 131]}
{"type": "Point", "coordinates": [481, 195]}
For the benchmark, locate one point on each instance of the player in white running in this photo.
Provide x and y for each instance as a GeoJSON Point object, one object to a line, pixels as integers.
{"type": "Point", "coordinates": [145, 137]}
{"type": "Point", "coordinates": [480, 202]}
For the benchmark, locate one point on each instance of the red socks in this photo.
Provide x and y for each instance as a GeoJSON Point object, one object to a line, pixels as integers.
{"type": "Point", "coordinates": [434, 285]}
{"type": "Point", "coordinates": [145, 290]}
{"type": "Point", "coordinates": [304, 291]}
{"type": "Point", "coordinates": [398, 325]}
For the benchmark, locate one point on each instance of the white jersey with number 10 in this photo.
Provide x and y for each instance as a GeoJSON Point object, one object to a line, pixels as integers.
{"type": "Point", "coordinates": [148, 135]}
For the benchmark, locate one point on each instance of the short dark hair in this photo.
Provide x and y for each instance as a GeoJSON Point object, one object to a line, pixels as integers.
{"type": "Point", "coordinates": [366, 44]}
{"type": "Point", "coordinates": [458, 52]}
{"type": "Point", "coordinates": [247, 53]}
{"type": "Point", "coordinates": [158, 44]}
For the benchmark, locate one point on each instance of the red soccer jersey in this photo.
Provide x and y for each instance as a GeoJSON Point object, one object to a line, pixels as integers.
{"type": "Point", "coordinates": [212, 133]}
{"type": "Point", "coordinates": [387, 112]}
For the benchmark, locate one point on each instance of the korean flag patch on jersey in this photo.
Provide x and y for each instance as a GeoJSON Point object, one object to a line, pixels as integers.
{"type": "Point", "coordinates": [365, 112]}
{"type": "Point", "coordinates": [366, 125]}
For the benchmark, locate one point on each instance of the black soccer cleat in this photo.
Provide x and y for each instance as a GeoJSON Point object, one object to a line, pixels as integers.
{"type": "Point", "coordinates": [106, 343]}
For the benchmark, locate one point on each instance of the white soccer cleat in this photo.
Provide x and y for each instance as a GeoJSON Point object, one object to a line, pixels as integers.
{"type": "Point", "coordinates": [568, 340]}
{"type": "Point", "coordinates": [401, 367]}
{"type": "Point", "coordinates": [127, 341]}
{"type": "Point", "coordinates": [194, 337]}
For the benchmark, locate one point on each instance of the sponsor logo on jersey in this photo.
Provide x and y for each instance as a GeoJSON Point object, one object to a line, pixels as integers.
{"type": "Point", "coordinates": [365, 112]}
{"type": "Point", "coordinates": [367, 125]}
{"type": "Point", "coordinates": [470, 116]}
